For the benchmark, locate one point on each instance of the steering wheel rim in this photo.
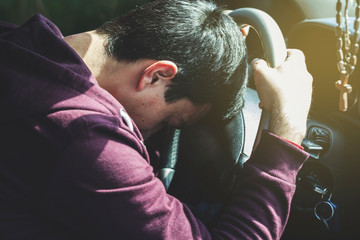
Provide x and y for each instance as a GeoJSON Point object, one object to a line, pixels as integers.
{"type": "Point", "coordinates": [273, 44]}
{"type": "Point", "coordinates": [269, 32]}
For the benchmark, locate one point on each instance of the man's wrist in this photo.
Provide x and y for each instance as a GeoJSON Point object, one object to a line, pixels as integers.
{"type": "Point", "coordinates": [295, 144]}
{"type": "Point", "coordinates": [288, 132]}
{"type": "Point", "coordinates": [287, 125]}
{"type": "Point", "coordinates": [285, 156]}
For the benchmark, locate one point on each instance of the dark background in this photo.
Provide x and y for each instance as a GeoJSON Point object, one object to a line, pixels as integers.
{"type": "Point", "coordinates": [71, 16]}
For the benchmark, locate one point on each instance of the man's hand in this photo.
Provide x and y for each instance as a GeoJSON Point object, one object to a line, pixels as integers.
{"type": "Point", "coordinates": [285, 92]}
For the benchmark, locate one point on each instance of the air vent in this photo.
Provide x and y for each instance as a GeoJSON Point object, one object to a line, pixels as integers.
{"type": "Point", "coordinates": [320, 136]}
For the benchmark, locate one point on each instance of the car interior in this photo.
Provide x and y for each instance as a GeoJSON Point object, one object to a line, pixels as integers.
{"type": "Point", "coordinates": [200, 163]}
{"type": "Point", "coordinates": [325, 205]}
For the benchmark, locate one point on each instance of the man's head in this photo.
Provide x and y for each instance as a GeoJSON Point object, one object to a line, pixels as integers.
{"type": "Point", "coordinates": [204, 44]}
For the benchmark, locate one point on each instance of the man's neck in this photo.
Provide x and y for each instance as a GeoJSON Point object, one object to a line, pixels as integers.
{"type": "Point", "coordinates": [89, 46]}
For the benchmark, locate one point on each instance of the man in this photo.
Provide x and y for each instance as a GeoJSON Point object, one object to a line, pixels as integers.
{"type": "Point", "coordinates": [73, 163]}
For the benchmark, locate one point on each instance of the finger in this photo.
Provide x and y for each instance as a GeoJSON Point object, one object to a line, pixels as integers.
{"type": "Point", "coordinates": [258, 63]}
{"type": "Point", "coordinates": [295, 60]}
{"type": "Point", "coordinates": [245, 30]}
{"type": "Point", "coordinates": [295, 55]}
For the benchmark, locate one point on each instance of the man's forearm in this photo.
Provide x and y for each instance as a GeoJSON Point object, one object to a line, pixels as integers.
{"type": "Point", "coordinates": [260, 206]}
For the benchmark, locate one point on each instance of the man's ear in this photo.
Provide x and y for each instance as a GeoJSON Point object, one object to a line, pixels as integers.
{"type": "Point", "coordinates": [161, 70]}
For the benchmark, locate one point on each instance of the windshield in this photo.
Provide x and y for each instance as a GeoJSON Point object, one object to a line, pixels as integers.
{"type": "Point", "coordinates": [323, 8]}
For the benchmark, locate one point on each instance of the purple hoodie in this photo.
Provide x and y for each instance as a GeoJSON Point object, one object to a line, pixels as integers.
{"type": "Point", "coordinates": [72, 168]}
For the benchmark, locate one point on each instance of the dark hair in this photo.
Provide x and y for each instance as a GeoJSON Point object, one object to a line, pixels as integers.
{"type": "Point", "coordinates": [203, 41]}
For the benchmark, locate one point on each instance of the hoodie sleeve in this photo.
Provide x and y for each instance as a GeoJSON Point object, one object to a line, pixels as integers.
{"type": "Point", "coordinates": [260, 206]}
{"type": "Point", "coordinates": [105, 189]}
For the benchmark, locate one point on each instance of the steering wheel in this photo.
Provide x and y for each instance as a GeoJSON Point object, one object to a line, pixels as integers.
{"type": "Point", "coordinates": [272, 41]}
{"type": "Point", "coordinates": [211, 153]}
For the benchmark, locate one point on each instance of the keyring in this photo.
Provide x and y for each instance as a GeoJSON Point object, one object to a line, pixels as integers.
{"type": "Point", "coordinates": [320, 204]}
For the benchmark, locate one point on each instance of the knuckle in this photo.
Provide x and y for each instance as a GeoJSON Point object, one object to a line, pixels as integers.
{"type": "Point", "coordinates": [298, 54]}
{"type": "Point", "coordinates": [309, 77]}
{"type": "Point", "coordinates": [258, 73]}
